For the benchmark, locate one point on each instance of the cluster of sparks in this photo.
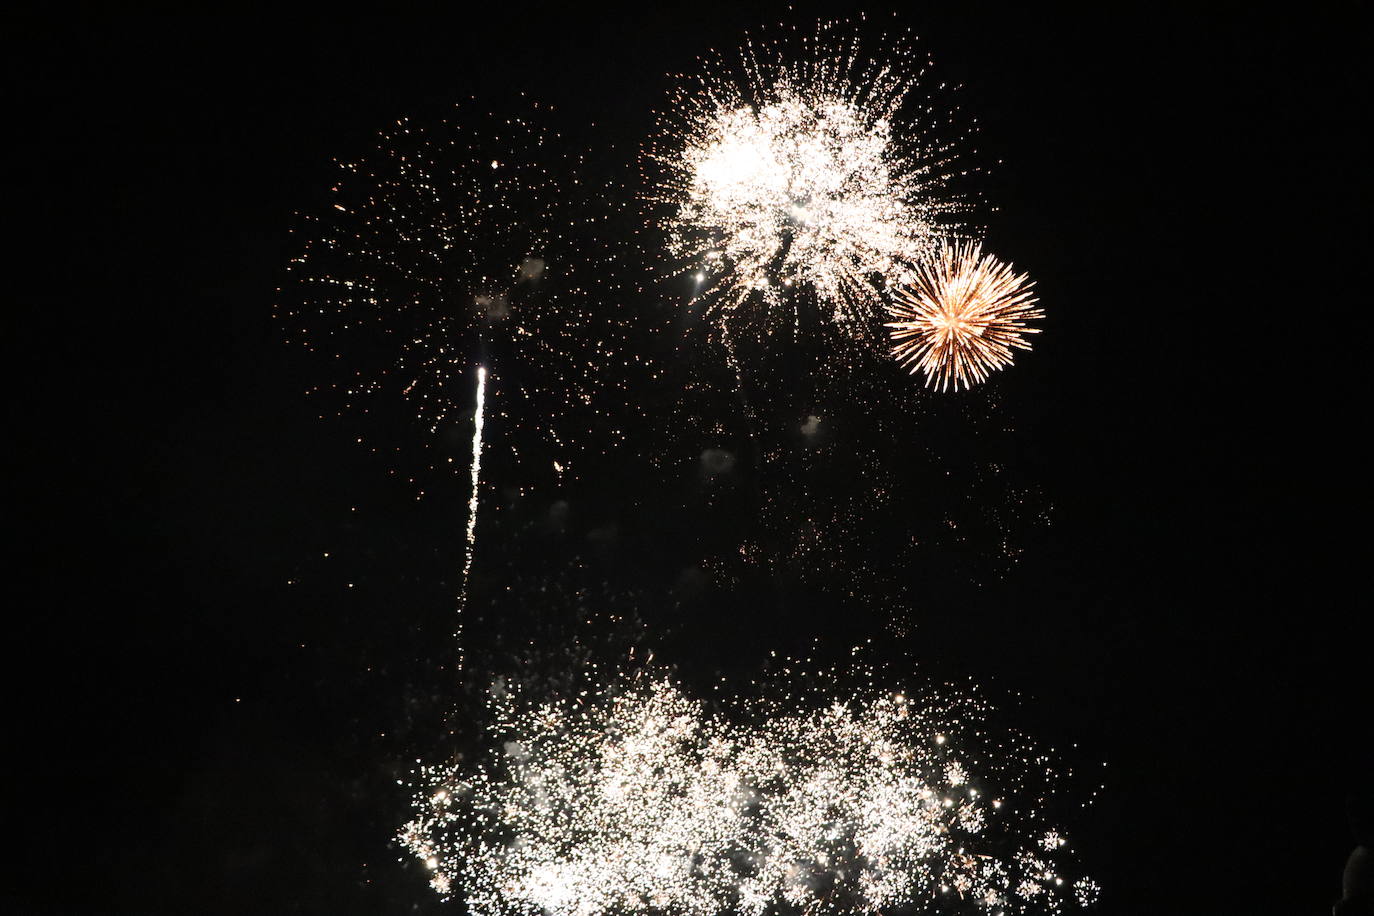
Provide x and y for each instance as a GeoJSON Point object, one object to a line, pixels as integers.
{"type": "Point", "coordinates": [418, 254]}
{"type": "Point", "coordinates": [801, 176]}
{"type": "Point", "coordinates": [461, 245]}
{"type": "Point", "coordinates": [634, 797]}
{"type": "Point", "coordinates": [786, 181]}
{"type": "Point", "coordinates": [454, 243]}
{"type": "Point", "coordinates": [470, 547]}
{"type": "Point", "coordinates": [961, 316]}
{"type": "Point", "coordinates": [790, 181]}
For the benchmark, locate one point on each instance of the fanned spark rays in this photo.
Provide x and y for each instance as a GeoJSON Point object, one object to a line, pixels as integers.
{"type": "Point", "coordinates": [961, 316]}
{"type": "Point", "coordinates": [813, 175]}
{"type": "Point", "coordinates": [633, 797]}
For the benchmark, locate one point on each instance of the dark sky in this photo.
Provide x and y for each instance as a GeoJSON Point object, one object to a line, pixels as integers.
{"type": "Point", "coordinates": [194, 736]}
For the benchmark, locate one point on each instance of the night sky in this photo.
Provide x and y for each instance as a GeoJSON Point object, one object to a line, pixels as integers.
{"type": "Point", "coordinates": [230, 622]}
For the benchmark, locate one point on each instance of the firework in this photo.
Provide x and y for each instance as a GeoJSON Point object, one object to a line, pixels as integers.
{"type": "Point", "coordinates": [798, 173]}
{"type": "Point", "coordinates": [633, 797]}
{"type": "Point", "coordinates": [960, 316]}
{"type": "Point", "coordinates": [455, 242]}
{"type": "Point", "coordinates": [417, 258]}
{"type": "Point", "coordinates": [455, 245]}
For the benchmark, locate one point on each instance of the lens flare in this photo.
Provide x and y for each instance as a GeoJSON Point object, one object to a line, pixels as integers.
{"type": "Point", "coordinates": [960, 317]}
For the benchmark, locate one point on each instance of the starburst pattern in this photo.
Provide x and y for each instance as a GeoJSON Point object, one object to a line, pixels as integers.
{"type": "Point", "coordinates": [802, 173]}
{"type": "Point", "coordinates": [633, 797]}
{"type": "Point", "coordinates": [961, 316]}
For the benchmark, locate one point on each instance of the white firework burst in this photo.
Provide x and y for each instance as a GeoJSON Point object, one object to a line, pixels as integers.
{"type": "Point", "coordinates": [802, 171]}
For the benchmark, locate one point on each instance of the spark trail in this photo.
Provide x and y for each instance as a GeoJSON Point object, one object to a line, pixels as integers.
{"type": "Point", "coordinates": [473, 232]}
{"type": "Point", "coordinates": [632, 796]}
{"type": "Point", "coordinates": [473, 501]}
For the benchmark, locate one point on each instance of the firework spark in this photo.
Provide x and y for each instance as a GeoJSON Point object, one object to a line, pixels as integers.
{"type": "Point", "coordinates": [960, 316]}
{"type": "Point", "coordinates": [802, 175]}
{"type": "Point", "coordinates": [634, 797]}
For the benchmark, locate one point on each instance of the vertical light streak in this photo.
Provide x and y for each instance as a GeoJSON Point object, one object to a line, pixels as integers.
{"type": "Point", "coordinates": [477, 417]}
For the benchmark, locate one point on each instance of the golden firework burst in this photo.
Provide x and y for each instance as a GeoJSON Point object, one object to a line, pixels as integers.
{"type": "Point", "coordinates": [960, 316]}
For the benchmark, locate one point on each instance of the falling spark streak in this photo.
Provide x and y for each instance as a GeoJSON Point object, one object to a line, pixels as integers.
{"type": "Point", "coordinates": [960, 317]}
{"type": "Point", "coordinates": [472, 500]}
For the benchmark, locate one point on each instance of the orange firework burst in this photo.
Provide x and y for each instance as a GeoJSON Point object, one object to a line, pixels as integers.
{"type": "Point", "coordinates": [960, 316]}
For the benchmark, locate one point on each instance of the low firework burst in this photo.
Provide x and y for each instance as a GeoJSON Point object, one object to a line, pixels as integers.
{"type": "Point", "coordinates": [801, 171]}
{"type": "Point", "coordinates": [960, 316]}
{"type": "Point", "coordinates": [632, 796]}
